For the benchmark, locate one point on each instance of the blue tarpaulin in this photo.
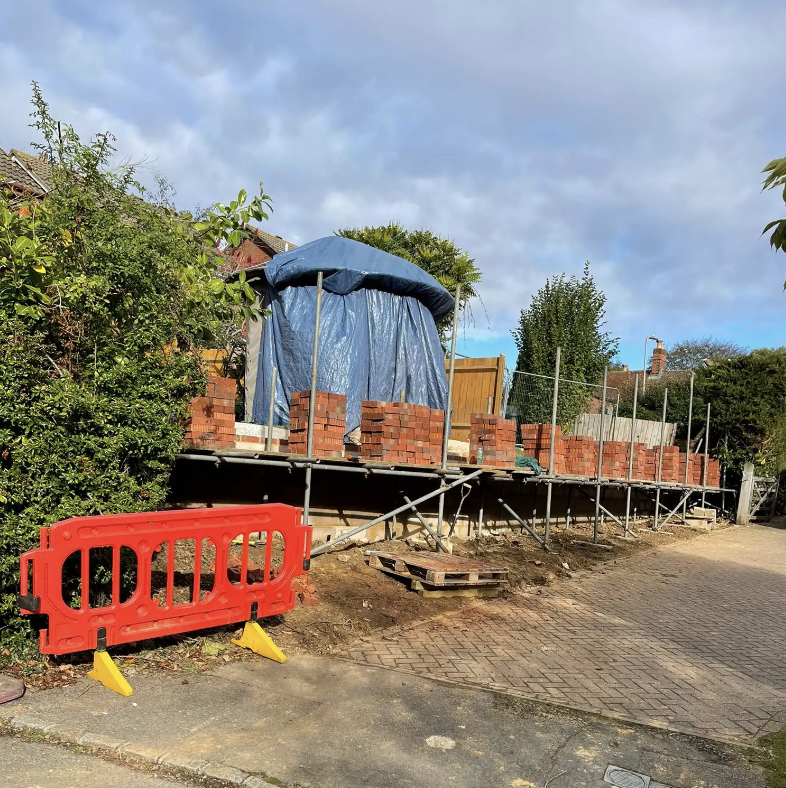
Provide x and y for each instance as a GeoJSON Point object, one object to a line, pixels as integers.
{"type": "Point", "coordinates": [377, 329]}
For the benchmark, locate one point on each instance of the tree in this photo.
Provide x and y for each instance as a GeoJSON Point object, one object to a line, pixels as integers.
{"type": "Point", "coordinates": [650, 403]}
{"type": "Point", "coordinates": [106, 300]}
{"type": "Point", "coordinates": [566, 313]}
{"type": "Point", "coordinates": [748, 415]}
{"type": "Point", "coordinates": [440, 257]}
{"type": "Point", "coordinates": [692, 353]}
{"type": "Point", "coordinates": [776, 178]}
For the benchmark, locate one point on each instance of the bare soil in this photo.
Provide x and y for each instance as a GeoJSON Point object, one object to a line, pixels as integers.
{"type": "Point", "coordinates": [353, 600]}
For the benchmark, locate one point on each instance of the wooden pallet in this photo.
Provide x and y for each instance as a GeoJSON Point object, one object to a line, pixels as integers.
{"type": "Point", "coordinates": [438, 571]}
{"type": "Point", "coordinates": [483, 592]}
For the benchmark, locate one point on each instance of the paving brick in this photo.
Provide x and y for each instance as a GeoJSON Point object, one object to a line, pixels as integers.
{"type": "Point", "coordinates": [692, 636]}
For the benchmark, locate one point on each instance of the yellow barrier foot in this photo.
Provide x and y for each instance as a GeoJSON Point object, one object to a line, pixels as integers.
{"type": "Point", "coordinates": [105, 671]}
{"type": "Point", "coordinates": [256, 639]}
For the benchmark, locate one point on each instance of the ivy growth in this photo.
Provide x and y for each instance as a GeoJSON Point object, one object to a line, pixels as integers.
{"type": "Point", "coordinates": [107, 296]}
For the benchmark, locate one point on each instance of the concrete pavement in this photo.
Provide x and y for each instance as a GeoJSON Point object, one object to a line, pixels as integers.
{"type": "Point", "coordinates": [36, 765]}
{"type": "Point", "coordinates": [325, 723]}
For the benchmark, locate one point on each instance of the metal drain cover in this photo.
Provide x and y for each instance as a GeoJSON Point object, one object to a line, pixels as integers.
{"type": "Point", "coordinates": [624, 778]}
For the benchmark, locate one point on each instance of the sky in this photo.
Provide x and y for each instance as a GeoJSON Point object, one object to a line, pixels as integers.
{"type": "Point", "coordinates": [630, 133]}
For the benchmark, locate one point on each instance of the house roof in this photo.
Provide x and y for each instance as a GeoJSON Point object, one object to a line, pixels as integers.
{"type": "Point", "coordinates": [275, 242]}
{"type": "Point", "coordinates": [268, 243]}
{"type": "Point", "coordinates": [14, 175]}
{"type": "Point", "coordinates": [619, 378]}
{"type": "Point", "coordinates": [37, 166]}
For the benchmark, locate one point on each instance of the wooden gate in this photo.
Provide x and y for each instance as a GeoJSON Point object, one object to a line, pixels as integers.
{"type": "Point", "coordinates": [476, 379]}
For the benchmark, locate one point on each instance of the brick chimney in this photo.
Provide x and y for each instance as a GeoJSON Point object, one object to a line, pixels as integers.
{"type": "Point", "coordinates": [658, 360]}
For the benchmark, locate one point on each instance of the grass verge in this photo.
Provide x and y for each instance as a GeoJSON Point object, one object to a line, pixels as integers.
{"type": "Point", "coordinates": [773, 759]}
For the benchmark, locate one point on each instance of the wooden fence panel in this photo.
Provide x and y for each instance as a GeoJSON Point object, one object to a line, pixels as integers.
{"type": "Point", "coordinates": [476, 379]}
{"type": "Point", "coordinates": [619, 429]}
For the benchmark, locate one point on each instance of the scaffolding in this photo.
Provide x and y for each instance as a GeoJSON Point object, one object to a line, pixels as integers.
{"type": "Point", "coordinates": [447, 477]}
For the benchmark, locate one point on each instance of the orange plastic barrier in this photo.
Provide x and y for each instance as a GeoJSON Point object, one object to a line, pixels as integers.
{"type": "Point", "coordinates": [88, 620]}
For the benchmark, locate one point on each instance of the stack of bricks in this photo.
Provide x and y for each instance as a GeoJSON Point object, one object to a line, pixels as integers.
{"type": "Point", "coordinates": [694, 471]}
{"type": "Point", "coordinates": [536, 442]}
{"type": "Point", "coordinates": [401, 433]}
{"type": "Point", "coordinates": [670, 471]}
{"type": "Point", "coordinates": [330, 423]}
{"type": "Point", "coordinates": [495, 437]}
{"type": "Point", "coordinates": [211, 424]}
{"type": "Point", "coordinates": [581, 455]}
{"type": "Point", "coordinates": [648, 467]}
{"type": "Point", "coordinates": [615, 459]}
{"type": "Point", "coordinates": [639, 458]}
{"type": "Point", "coordinates": [713, 472]}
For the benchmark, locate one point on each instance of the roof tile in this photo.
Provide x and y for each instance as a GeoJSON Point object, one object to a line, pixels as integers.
{"type": "Point", "coordinates": [11, 174]}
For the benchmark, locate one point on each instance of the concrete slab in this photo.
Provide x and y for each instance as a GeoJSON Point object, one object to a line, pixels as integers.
{"type": "Point", "coordinates": [35, 765]}
{"type": "Point", "coordinates": [333, 724]}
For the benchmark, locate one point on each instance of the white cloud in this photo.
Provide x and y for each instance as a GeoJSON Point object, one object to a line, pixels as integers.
{"type": "Point", "coordinates": [630, 133]}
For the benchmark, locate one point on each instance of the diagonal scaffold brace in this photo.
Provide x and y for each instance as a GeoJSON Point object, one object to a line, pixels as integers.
{"type": "Point", "coordinates": [673, 512]}
{"type": "Point", "coordinates": [626, 529]}
{"type": "Point", "coordinates": [438, 492]}
{"type": "Point", "coordinates": [669, 511]}
{"type": "Point", "coordinates": [440, 544]}
{"type": "Point", "coordinates": [524, 525]}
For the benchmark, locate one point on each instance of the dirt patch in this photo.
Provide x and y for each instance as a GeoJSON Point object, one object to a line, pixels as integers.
{"type": "Point", "coordinates": [353, 600]}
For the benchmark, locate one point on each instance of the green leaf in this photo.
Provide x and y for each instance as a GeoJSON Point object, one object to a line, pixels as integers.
{"type": "Point", "coordinates": [21, 243]}
{"type": "Point", "coordinates": [217, 286]}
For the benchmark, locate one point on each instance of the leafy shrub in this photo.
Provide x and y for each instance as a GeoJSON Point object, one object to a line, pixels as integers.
{"type": "Point", "coordinates": [106, 298]}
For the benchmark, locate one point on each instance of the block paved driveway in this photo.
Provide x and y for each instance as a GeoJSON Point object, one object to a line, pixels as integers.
{"type": "Point", "coordinates": [691, 636]}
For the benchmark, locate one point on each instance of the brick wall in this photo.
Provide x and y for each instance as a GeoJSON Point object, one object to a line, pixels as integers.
{"type": "Point", "coordinates": [246, 255]}
{"type": "Point", "coordinates": [577, 455]}
{"type": "Point", "coordinates": [495, 436]}
{"type": "Point", "coordinates": [536, 441]}
{"type": "Point", "coordinates": [399, 432]}
{"type": "Point", "coordinates": [211, 424]}
{"type": "Point", "coordinates": [330, 423]}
